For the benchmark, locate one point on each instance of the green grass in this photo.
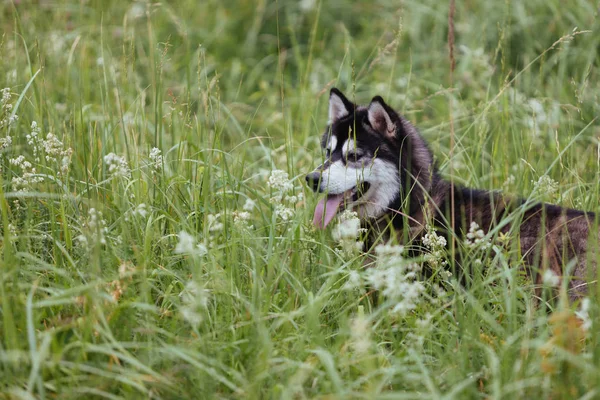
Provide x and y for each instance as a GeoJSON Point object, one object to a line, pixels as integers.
{"type": "Point", "coordinates": [105, 306]}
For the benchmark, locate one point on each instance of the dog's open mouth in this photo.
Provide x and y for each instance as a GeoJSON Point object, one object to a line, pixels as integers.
{"type": "Point", "coordinates": [330, 206]}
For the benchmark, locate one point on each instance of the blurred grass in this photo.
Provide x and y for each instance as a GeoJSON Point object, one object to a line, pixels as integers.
{"type": "Point", "coordinates": [228, 91]}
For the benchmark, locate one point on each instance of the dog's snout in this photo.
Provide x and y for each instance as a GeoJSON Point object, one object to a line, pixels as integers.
{"type": "Point", "coordinates": [313, 180]}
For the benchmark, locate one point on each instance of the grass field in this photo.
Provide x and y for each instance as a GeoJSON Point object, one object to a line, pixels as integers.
{"type": "Point", "coordinates": [153, 246]}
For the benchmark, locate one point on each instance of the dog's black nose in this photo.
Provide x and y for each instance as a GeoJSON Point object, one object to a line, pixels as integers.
{"type": "Point", "coordinates": [313, 180]}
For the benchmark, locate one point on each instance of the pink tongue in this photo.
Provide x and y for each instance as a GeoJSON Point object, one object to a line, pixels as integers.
{"type": "Point", "coordinates": [328, 208]}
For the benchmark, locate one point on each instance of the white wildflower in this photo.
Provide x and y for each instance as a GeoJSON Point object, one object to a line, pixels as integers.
{"type": "Point", "coordinates": [35, 141]}
{"type": "Point", "coordinates": [545, 186]}
{"type": "Point", "coordinates": [584, 314]}
{"type": "Point", "coordinates": [360, 334]}
{"type": "Point", "coordinates": [425, 323]}
{"type": "Point", "coordinates": [508, 183]}
{"type": "Point", "coordinates": [55, 152]}
{"type": "Point", "coordinates": [433, 241]}
{"type": "Point", "coordinates": [307, 5]}
{"type": "Point", "coordinates": [156, 158]}
{"type": "Point", "coordinates": [242, 218]}
{"type": "Point", "coordinates": [194, 299]}
{"type": "Point", "coordinates": [12, 229]}
{"type": "Point", "coordinates": [389, 250]}
{"type": "Point", "coordinates": [550, 279]}
{"type": "Point", "coordinates": [278, 180]}
{"type": "Point", "coordinates": [94, 229]}
{"type": "Point", "coordinates": [141, 210]}
{"type": "Point", "coordinates": [117, 165]}
{"type": "Point", "coordinates": [476, 238]}
{"type": "Point", "coordinates": [29, 175]}
{"type": "Point", "coordinates": [187, 245]}
{"type": "Point", "coordinates": [249, 205]}
{"type": "Point", "coordinates": [436, 245]}
{"type": "Point", "coordinates": [354, 281]}
{"type": "Point", "coordinates": [396, 278]}
{"type": "Point", "coordinates": [214, 225]}
{"type": "Point", "coordinates": [282, 199]}
{"type": "Point", "coordinates": [348, 226]}
{"type": "Point", "coordinates": [5, 142]}
{"type": "Point", "coordinates": [6, 119]}
{"type": "Point", "coordinates": [347, 231]}
{"type": "Point", "coordinates": [285, 213]}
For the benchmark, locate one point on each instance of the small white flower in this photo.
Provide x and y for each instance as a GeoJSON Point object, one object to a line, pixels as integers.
{"type": "Point", "coordinates": [5, 142]}
{"type": "Point", "coordinates": [508, 183]}
{"type": "Point", "coordinates": [94, 229]}
{"type": "Point", "coordinates": [187, 245]}
{"type": "Point", "coordinates": [396, 278]}
{"type": "Point", "coordinates": [433, 241]}
{"type": "Point", "coordinates": [550, 279]}
{"type": "Point", "coordinates": [117, 165]}
{"type": "Point", "coordinates": [360, 334]}
{"type": "Point", "coordinates": [476, 238]}
{"type": "Point", "coordinates": [285, 213]}
{"type": "Point", "coordinates": [6, 119]}
{"type": "Point", "coordinates": [214, 225]}
{"type": "Point", "coordinates": [354, 281]}
{"type": "Point", "coordinates": [584, 314]}
{"type": "Point", "coordinates": [278, 180]}
{"type": "Point", "coordinates": [249, 205]}
{"type": "Point", "coordinates": [156, 158]}
{"type": "Point", "coordinates": [347, 231]}
{"type": "Point", "coordinates": [425, 322]}
{"type": "Point", "coordinates": [348, 227]}
{"type": "Point", "coordinates": [545, 186]}
{"type": "Point", "coordinates": [141, 210]}
{"type": "Point", "coordinates": [194, 300]}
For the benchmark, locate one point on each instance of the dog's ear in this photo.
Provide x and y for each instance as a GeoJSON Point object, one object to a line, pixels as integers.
{"type": "Point", "coordinates": [380, 118]}
{"type": "Point", "coordinates": [339, 106]}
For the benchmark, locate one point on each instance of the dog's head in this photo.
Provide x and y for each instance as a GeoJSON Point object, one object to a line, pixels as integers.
{"type": "Point", "coordinates": [372, 156]}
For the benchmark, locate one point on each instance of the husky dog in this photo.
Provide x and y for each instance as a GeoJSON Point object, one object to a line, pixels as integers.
{"type": "Point", "coordinates": [378, 165]}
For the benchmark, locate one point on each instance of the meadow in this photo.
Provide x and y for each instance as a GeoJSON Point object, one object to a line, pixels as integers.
{"type": "Point", "coordinates": [157, 237]}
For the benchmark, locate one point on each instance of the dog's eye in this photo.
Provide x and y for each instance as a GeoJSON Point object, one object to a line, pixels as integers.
{"type": "Point", "coordinates": [327, 153]}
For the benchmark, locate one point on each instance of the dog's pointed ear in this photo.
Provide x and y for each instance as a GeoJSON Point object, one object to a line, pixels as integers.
{"type": "Point", "coordinates": [339, 105]}
{"type": "Point", "coordinates": [380, 118]}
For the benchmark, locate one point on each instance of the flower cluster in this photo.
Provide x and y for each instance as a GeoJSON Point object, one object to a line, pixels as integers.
{"type": "Point", "coordinates": [194, 299]}
{"type": "Point", "coordinates": [545, 186]}
{"type": "Point", "coordinates": [55, 151]}
{"type": "Point", "coordinates": [550, 279]}
{"type": "Point", "coordinates": [282, 198]}
{"type": "Point", "coordinates": [360, 334]}
{"type": "Point", "coordinates": [29, 175]}
{"type": "Point", "coordinates": [117, 165]}
{"type": "Point", "coordinates": [279, 180]}
{"type": "Point", "coordinates": [187, 245]}
{"type": "Point", "coordinates": [249, 205]}
{"type": "Point", "coordinates": [6, 119]}
{"type": "Point", "coordinates": [396, 278]}
{"type": "Point", "coordinates": [95, 229]}
{"type": "Point", "coordinates": [584, 314]}
{"type": "Point", "coordinates": [214, 222]}
{"type": "Point", "coordinates": [476, 238]}
{"type": "Point", "coordinates": [156, 158]}
{"type": "Point", "coordinates": [347, 231]}
{"type": "Point", "coordinates": [242, 219]}
{"type": "Point", "coordinates": [436, 245]}
{"type": "Point", "coordinates": [52, 148]}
